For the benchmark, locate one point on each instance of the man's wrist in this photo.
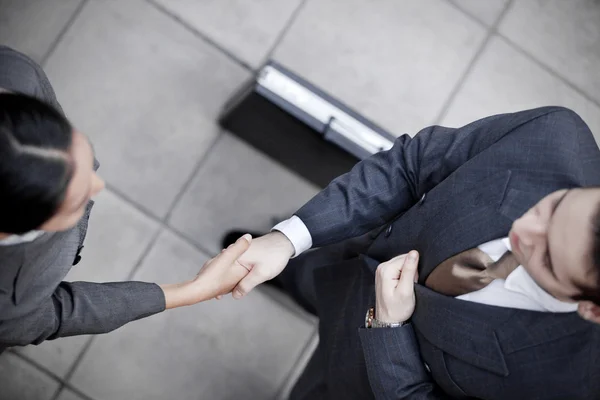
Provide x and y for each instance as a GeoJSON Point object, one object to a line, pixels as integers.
{"type": "Point", "coordinates": [282, 241]}
{"type": "Point", "coordinates": [373, 320]}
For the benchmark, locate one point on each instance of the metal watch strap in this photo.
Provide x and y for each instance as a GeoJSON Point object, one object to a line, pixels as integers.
{"type": "Point", "coordinates": [372, 322]}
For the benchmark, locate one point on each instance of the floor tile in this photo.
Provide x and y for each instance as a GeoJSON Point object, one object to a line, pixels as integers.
{"type": "Point", "coordinates": [237, 187]}
{"type": "Point", "coordinates": [486, 11]}
{"type": "Point", "coordinates": [146, 90]}
{"type": "Point", "coordinates": [67, 394]}
{"type": "Point", "coordinates": [246, 29]}
{"type": "Point", "coordinates": [56, 355]}
{"type": "Point", "coordinates": [20, 380]}
{"type": "Point", "coordinates": [32, 26]}
{"type": "Point", "coordinates": [504, 80]}
{"type": "Point", "coordinates": [565, 35]}
{"type": "Point", "coordinates": [396, 63]}
{"type": "Point", "coordinates": [299, 367]}
{"type": "Point", "coordinates": [117, 236]}
{"type": "Point", "coordinates": [223, 349]}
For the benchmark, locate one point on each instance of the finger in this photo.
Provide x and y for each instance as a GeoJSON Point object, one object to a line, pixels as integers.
{"type": "Point", "coordinates": [246, 285]}
{"type": "Point", "coordinates": [219, 297]}
{"type": "Point", "coordinates": [390, 270]}
{"type": "Point", "coordinates": [409, 271]}
{"type": "Point", "coordinates": [234, 251]}
{"type": "Point", "coordinates": [237, 262]}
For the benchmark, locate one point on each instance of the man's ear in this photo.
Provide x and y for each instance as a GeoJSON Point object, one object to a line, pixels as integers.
{"type": "Point", "coordinates": [589, 311]}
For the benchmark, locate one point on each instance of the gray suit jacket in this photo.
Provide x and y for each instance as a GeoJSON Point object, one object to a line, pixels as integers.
{"type": "Point", "coordinates": [443, 192]}
{"type": "Point", "coordinates": [35, 304]}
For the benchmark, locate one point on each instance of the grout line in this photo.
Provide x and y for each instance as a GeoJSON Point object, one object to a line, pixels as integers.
{"type": "Point", "coordinates": [471, 66]}
{"type": "Point", "coordinates": [549, 69]}
{"type": "Point", "coordinates": [63, 32]}
{"type": "Point", "coordinates": [201, 35]}
{"type": "Point", "coordinates": [74, 366]}
{"type": "Point", "coordinates": [287, 385]}
{"type": "Point", "coordinates": [62, 383]}
{"type": "Point", "coordinates": [37, 366]}
{"type": "Point", "coordinates": [76, 391]}
{"type": "Point", "coordinates": [285, 30]}
{"type": "Point", "coordinates": [193, 174]}
{"type": "Point", "coordinates": [469, 15]}
{"type": "Point", "coordinates": [160, 222]}
{"type": "Point", "coordinates": [144, 254]}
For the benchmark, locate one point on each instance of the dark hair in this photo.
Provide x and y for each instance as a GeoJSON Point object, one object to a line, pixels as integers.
{"type": "Point", "coordinates": [35, 164]}
{"type": "Point", "coordinates": [591, 292]}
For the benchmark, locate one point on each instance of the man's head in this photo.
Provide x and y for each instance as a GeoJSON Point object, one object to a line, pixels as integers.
{"type": "Point", "coordinates": [558, 242]}
{"type": "Point", "coordinates": [46, 168]}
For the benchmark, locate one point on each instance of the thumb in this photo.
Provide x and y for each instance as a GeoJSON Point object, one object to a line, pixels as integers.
{"type": "Point", "coordinates": [246, 285]}
{"type": "Point", "coordinates": [409, 272]}
{"type": "Point", "coordinates": [234, 251]}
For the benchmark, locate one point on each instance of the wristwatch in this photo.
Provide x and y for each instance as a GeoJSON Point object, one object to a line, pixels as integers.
{"type": "Point", "coordinates": [372, 322]}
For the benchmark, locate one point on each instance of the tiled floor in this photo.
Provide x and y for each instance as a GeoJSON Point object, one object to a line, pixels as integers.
{"type": "Point", "coordinates": [145, 79]}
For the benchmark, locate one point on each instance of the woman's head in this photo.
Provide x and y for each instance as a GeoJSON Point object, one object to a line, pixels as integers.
{"type": "Point", "coordinates": [46, 167]}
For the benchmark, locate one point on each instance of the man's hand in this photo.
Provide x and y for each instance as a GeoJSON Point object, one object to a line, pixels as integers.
{"type": "Point", "coordinates": [394, 287]}
{"type": "Point", "coordinates": [266, 258]}
{"type": "Point", "coordinates": [217, 277]}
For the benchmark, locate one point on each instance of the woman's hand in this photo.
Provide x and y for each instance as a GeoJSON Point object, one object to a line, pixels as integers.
{"type": "Point", "coordinates": [217, 277]}
{"type": "Point", "coordinates": [394, 287]}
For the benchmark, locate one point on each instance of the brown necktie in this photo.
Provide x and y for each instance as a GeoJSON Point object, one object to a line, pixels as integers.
{"type": "Point", "coordinates": [469, 271]}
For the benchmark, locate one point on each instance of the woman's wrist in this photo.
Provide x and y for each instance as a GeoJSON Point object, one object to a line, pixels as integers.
{"type": "Point", "coordinates": [178, 295]}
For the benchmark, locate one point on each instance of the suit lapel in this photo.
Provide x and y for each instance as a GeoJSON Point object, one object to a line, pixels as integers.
{"type": "Point", "coordinates": [468, 218]}
{"type": "Point", "coordinates": [462, 329]}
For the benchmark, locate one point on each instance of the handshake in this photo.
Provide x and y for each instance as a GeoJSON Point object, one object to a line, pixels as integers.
{"type": "Point", "coordinates": [251, 261]}
{"type": "Point", "coordinates": [238, 269]}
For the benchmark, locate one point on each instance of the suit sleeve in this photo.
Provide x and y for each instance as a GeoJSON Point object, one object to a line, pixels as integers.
{"type": "Point", "coordinates": [388, 183]}
{"type": "Point", "coordinates": [81, 308]}
{"type": "Point", "coordinates": [394, 365]}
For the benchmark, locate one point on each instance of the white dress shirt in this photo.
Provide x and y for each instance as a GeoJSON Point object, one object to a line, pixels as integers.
{"type": "Point", "coordinates": [518, 290]}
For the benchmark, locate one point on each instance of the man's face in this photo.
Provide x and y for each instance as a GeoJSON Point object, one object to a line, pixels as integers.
{"type": "Point", "coordinates": [553, 241]}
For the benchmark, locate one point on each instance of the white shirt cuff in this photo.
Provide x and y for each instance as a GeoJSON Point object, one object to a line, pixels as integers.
{"type": "Point", "coordinates": [297, 233]}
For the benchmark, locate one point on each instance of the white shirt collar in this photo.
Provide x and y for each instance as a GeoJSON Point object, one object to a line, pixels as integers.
{"type": "Point", "coordinates": [521, 282]}
{"type": "Point", "coordinates": [18, 239]}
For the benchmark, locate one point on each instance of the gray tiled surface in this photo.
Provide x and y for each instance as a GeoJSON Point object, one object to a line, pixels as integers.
{"type": "Point", "coordinates": [205, 351]}
{"type": "Point", "coordinates": [565, 35]}
{"type": "Point", "coordinates": [147, 89]}
{"type": "Point", "coordinates": [237, 187]}
{"type": "Point", "coordinates": [486, 11]}
{"type": "Point", "coordinates": [32, 26]}
{"type": "Point", "coordinates": [67, 394]}
{"type": "Point", "coordinates": [156, 92]}
{"type": "Point", "coordinates": [396, 62]}
{"type": "Point", "coordinates": [247, 29]}
{"type": "Point", "coordinates": [505, 80]}
{"type": "Point", "coordinates": [21, 380]}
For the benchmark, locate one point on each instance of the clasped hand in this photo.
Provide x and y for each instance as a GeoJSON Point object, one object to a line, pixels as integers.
{"type": "Point", "coordinates": [239, 268]}
{"type": "Point", "coordinates": [394, 288]}
{"type": "Point", "coordinates": [250, 262]}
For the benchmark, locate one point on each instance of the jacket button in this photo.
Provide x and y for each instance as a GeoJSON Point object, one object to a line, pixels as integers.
{"type": "Point", "coordinates": [388, 231]}
{"type": "Point", "coordinates": [78, 256]}
{"type": "Point", "coordinates": [423, 198]}
{"type": "Point", "coordinates": [427, 367]}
